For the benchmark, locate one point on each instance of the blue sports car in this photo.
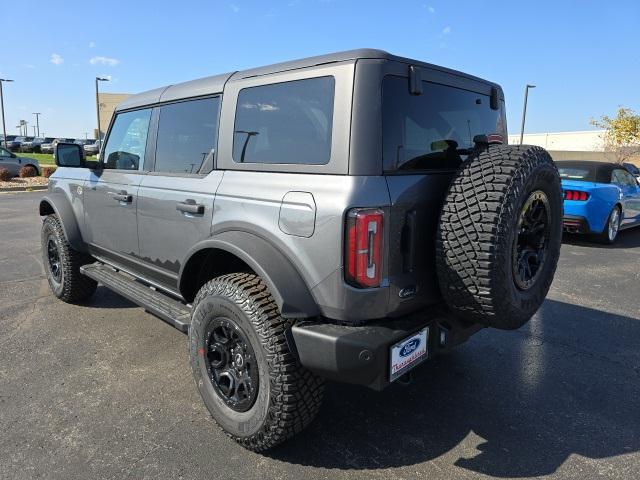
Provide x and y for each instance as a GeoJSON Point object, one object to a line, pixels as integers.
{"type": "Point", "coordinates": [600, 198]}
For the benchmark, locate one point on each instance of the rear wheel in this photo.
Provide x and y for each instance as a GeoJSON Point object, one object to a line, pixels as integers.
{"type": "Point", "coordinates": [611, 229]}
{"type": "Point", "coordinates": [499, 235]}
{"type": "Point", "coordinates": [247, 375]}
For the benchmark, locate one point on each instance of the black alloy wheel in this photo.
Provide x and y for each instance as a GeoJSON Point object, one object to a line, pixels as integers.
{"type": "Point", "coordinates": [532, 240]}
{"type": "Point", "coordinates": [231, 364]}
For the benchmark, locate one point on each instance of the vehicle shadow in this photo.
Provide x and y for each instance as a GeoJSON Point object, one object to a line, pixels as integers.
{"type": "Point", "coordinates": [629, 238]}
{"type": "Point", "coordinates": [507, 404]}
{"type": "Point", "coordinates": [106, 298]}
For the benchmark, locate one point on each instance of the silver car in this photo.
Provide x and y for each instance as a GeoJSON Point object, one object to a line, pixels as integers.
{"type": "Point", "coordinates": [14, 163]}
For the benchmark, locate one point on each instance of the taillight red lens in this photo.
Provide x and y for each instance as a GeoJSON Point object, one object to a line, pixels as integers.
{"type": "Point", "coordinates": [576, 195]}
{"type": "Point", "coordinates": [364, 247]}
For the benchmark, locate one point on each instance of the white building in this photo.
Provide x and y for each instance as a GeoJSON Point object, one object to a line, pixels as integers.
{"type": "Point", "coordinates": [581, 141]}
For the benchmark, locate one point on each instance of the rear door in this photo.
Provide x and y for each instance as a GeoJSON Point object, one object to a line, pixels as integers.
{"type": "Point", "coordinates": [425, 137]}
{"type": "Point", "coordinates": [111, 193]}
{"type": "Point", "coordinates": [175, 200]}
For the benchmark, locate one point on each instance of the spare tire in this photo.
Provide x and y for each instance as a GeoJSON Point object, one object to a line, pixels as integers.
{"type": "Point", "coordinates": [499, 235]}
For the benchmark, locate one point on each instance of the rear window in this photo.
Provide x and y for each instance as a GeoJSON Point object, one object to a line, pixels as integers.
{"type": "Point", "coordinates": [285, 123]}
{"type": "Point", "coordinates": [583, 174]}
{"type": "Point", "coordinates": [434, 130]}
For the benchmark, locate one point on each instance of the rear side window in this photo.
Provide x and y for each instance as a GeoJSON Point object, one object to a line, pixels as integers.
{"type": "Point", "coordinates": [285, 123]}
{"type": "Point", "coordinates": [187, 135]}
{"type": "Point", "coordinates": [433, 130]}
{"type": "Point", "coordinates": [127, 140]}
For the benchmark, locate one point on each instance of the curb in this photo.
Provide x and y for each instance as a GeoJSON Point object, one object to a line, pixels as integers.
{"type": "Point", "coordinates": [23, 189]}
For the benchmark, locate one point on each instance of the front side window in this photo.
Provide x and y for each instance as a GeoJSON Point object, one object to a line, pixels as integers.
{"type": "Point", "coordinates": [127, 140]}
{"type": "Point", "coordinates": [4, 152]}
{"type": "Point", "coordinates": [187, 136]}
{"type": "Point", "coordinates": [434, 130]}
{"type": "Point", "coordinates": [285, 123]}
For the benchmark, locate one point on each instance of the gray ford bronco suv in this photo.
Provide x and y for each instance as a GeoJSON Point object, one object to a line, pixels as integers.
{"type": "Point", "coordinates": [341, 217]}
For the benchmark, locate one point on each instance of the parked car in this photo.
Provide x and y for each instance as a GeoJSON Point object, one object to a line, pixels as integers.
{"type": "Point", "coordinates": [367, 217]}
{"type": "Point", "coordinates": [50, 147]}
{"type": "Point", "coordinates": [633, 170]}
{"type": "Point", "coordinates": [92, 148]}
{"type": "Point", "coordinates": [33, 146]}
{"type": "Point", "coordinates": [14, 145]}
{"type": "Point", "coordinates": [14, 163]}
{"type": "Point", "coordinates": [600, 199]}
{"type": "Point", "coordinates": [10, 138]}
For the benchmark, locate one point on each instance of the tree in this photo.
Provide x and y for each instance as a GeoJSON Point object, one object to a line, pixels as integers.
{"type": "Point", "coordinates": [622, 133]}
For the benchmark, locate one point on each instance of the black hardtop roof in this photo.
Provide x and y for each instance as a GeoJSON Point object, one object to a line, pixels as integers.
{"type": "Point", "coordinates": [215, 84]}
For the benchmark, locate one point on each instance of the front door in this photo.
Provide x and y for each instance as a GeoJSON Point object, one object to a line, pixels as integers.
{"type": "Point", "coordinates": [175, 199]}
{"type": "Point", "coordinates": [111, 193]}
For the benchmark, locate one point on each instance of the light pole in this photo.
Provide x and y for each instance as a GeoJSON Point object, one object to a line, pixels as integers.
{"type": "Point", "coordinates": [99, 79]}
{"type": "Point", "coordinates": [4, 128]}
{"type": "Point", "coordinates": [37, 114]}
{"type": "Point", "coordinates": [524, 110]}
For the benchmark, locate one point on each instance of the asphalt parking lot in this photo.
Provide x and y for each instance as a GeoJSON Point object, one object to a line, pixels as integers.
{"type": "Point", "coordinates": [104, 390]}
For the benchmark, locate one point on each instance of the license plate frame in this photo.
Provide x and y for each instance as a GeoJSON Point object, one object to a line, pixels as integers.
{"type": "Point", "coordinates": [408, 353]}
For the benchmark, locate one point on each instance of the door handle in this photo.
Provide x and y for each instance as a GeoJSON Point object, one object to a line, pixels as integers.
{"type": "Point", "coordinates": [190, 206]}
{"type": "Point", "coordinates": [121, 196]}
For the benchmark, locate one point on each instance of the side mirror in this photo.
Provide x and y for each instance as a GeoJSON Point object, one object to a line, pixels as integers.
{"type": "Point", "coordinates": [13, 155]}
{"type": "Point", "coordinates": [69, 155]}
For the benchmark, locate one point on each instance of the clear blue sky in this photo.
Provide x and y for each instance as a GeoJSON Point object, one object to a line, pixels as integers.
{"type": "Point", "coordinates": [582, 55]}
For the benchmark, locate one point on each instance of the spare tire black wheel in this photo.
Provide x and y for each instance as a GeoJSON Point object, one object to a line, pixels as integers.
{"type": "Point", "coordinates": [499, 235]}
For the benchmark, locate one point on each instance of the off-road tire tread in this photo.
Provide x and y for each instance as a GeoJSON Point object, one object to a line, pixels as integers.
{"type": "Point", "coordinates": [76, 287]}
{"type": "Point", "coordinates": [296, 393]}
{"type": "Point", "coordinates": [473, 234]}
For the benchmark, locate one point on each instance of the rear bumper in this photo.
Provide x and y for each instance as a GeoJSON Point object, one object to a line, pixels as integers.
{"type": "Point", "coordinates": [575, 224]}
{"type": "Point", "coordinates": [361, 354]}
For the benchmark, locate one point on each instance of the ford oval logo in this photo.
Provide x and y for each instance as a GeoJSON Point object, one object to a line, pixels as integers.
{"type": "Point", "coordinates": [410, 347]}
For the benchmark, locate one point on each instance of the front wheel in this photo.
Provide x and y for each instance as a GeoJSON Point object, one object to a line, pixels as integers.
{"type": "Point", "coordinates": [62, 264]}
{"type": "Point", "coordinates": [251, 382]}
{"type": "Point", "coordinates": [610, 232]}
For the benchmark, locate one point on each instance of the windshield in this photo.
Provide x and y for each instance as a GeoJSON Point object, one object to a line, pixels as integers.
{"type": "Point", "coordinates": [434, 130]}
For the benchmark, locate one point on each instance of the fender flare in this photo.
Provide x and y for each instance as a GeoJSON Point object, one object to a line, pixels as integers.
{"type": "Point", "coordinates": [61, 206]}
{"type": "Point", "coordinates": [283, 280]}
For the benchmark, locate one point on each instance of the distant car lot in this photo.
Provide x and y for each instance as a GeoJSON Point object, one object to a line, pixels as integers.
{"type": "Point", "coordinates": [104, 389]}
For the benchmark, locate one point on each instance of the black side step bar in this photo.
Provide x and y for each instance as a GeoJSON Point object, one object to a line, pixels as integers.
{"type": "Point", "coordinates": [163, 306]}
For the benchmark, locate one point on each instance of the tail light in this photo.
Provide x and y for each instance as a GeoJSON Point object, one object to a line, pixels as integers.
{"type": "Point", "coordinates": [364, 247]}
{"type": "Point", "coordinates": [576, 195]}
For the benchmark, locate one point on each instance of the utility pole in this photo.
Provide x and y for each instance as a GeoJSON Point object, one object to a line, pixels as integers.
{"type": "Point", "coordinates": [37, 114]}
{"type": "Point", "coordinates": [524, 110]}
{"type": "Point", "coordinates": [99, 79]}
{"type": "Point", "coordinates": [34, 130]}
{"type": "Point", "coordinates": [4, 128]}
